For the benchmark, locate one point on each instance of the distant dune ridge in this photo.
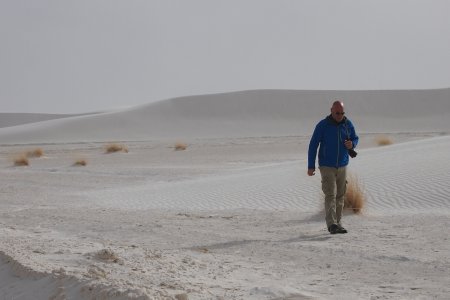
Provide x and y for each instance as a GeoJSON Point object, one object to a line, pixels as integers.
{"type": "Point", "coordinates": [14, 119]}
{"type": "Point", "coordinates": [246, 113]}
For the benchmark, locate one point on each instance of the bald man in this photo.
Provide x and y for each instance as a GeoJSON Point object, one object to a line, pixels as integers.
{"type": "Point", "coordinates": [336, 136]}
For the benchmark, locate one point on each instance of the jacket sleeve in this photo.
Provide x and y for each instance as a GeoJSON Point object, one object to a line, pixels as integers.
{"type": "Point", "coordinates": [353, 136]}
{"type": "Point", "coordinates": [313, 145]}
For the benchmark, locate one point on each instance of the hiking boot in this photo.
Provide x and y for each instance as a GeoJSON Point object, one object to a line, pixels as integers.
{"type": "Point", "coordinates": [333, 229]}
{"type": "Point", "coordinates": [341, 229]}
{"type": "Point", "coordinates": [336, 228]}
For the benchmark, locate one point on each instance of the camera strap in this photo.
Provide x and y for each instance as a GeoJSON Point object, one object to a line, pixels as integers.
{"type": "Point", "coordinates": [346, 129]}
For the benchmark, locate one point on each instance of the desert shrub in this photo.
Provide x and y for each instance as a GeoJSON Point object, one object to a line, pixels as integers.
{"type": "Point", "coordinates": [180, 146]}
{"type": "Point", "coordinates": [383, 140]}
{"type": "Point", "coordinates": [38, 152]}
{"type": "Point", "coordinates": [181, 296]}
{"type": "Point", "coordinates": [80, 162]}
{"type": "Point", "coordinates": [111, 148]}
{"type": "Point", "coordinates": [21, 160]}
{"type": "Point", "coordinates": [354, 197]}
{"type": "Point", "coordinates": [107, 255]}
{"type": "Point", "coordinates": [95, 272]}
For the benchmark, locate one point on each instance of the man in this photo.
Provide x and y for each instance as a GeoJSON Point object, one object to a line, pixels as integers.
{"type": "Point", "coordinates": [336, 136]}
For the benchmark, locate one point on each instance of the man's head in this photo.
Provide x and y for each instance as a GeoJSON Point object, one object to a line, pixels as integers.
{"type": "Point", "coordinates": [337, 111]}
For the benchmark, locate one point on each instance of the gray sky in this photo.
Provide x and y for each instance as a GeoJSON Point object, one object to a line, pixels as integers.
{"type": "Point", "coordinates": [76, 56]}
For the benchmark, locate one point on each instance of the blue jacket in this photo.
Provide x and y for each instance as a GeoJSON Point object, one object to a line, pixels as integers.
{"type": "Point", "coordinates": [331, 135]}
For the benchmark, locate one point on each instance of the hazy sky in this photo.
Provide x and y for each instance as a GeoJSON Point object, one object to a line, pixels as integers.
{"type": "Point", "coordinates": [85, 55]}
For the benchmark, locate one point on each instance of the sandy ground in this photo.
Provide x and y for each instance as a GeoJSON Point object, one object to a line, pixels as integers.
{"type": "Point", "coordinates": [232, 218]}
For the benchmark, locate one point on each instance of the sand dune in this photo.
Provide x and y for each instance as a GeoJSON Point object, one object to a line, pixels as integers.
{"type": "Point", "coordinates": [234, 216]}
{"type": "Point", "coordinates": [409, 177]}
{"type": "Point", "coordinates": [15, 119]}
{"type": "Point", "coordinates": [246, 114]}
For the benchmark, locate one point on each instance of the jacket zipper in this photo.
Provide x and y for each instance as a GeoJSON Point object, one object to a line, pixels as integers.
{"type": "Point", "coordinates": [338, 140]}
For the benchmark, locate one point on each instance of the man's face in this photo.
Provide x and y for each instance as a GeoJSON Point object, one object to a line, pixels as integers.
{"type": "Point", "coordinates": [337, 112]}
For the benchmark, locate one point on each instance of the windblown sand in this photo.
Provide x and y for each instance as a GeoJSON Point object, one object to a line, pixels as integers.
{"type": "Point", "coordinates": [230, 217]}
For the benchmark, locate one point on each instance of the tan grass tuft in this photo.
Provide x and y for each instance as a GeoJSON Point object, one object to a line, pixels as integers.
{"type": "Point", "coordinates": [180, 146]}
{"type": "Point", "coordinates": [95, 272]}
{"type": "Point", "coordinates": [112, 148]}
{"type": "Point", "coordinates": [354, 198]}
{"type": "Point", "coordinates": [38, 152]}
{"type": "Point", "coordinates": [80, 162]}
{"type": "Point", "coordinates": [183, 296]}
{"type": "Point", "coordinates": [21, 160]}
{"type": "Point", "coordinates": [107, 255]}
{"type": "Point", "coordinates": [383, 140]}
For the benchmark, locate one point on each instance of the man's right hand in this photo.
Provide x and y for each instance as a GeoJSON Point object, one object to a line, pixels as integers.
{"type": "Point", "coordinates": [311, 172]}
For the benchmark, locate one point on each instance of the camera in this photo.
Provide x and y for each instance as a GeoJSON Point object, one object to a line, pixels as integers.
{"type": "Point", "coordinates": [352, 153]}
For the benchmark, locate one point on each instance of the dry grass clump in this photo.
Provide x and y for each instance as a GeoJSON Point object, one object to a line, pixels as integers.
{"type": "Point", "coordinates": [180, 146]}
{"type": "Point", "coordinates": [182, 296]}
{"type": "Point", "coordinates": [21, 160]}
{"type": "Point", "coordinates": [383, 140]}
{"type": "Point", "coordinates": [112, 148]}
{"type": "Point", "coordinates": [80, 162]}
{"type": "Point", "coordinates": [107, 255]}
{"type": "Point", "coordinates": [38, 152]}
{"type": "Point", "coordinates": [96, 272]}
{"type": "Point", "coordinates": [354, 197]}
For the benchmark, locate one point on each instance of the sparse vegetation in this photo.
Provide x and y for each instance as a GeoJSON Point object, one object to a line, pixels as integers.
{"type": "Point", "coordinates": [181, 296]}
{"type": "Point", "coordinates": [80, 162]}
{"type": "Point", "coordinates": [38, 152]}
{"type": "Point", "coordinates": [203, 250]}
{"type": "Point", "coordinates": [21, 160]}
{"type": "Point", "coordinates": [112, 148]}
{"type": "Point", "coordinates": [354, 197]}
{"type": "Point", "coordinates": [96, 272]}
{"type": "Point", "coordinates": [107, 255]}
{"type": "Point", "coordinates": [180, 146]}
{"type": "Point", "coordinates": [383, 140]}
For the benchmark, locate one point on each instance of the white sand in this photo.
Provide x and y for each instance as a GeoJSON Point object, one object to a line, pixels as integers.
{"type": "Point", "coordinates": [233, 216]}
{"type": "Point", "coordinates": [245, 114]}
{"type": "Point", "coordinates": [14, 119]}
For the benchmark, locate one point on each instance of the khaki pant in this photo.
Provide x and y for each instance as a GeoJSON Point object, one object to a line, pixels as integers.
{"type": "Point", "coordinates": [334, 186]}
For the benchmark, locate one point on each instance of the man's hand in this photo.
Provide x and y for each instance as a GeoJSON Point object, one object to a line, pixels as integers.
{"type": "Point", "coordinates": [311, 172]}
{"type": "Point", "coordinates": [348, 144]}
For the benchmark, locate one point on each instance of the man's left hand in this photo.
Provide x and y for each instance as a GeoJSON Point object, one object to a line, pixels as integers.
{"type": "Point", "coordinates": [348, 144]}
